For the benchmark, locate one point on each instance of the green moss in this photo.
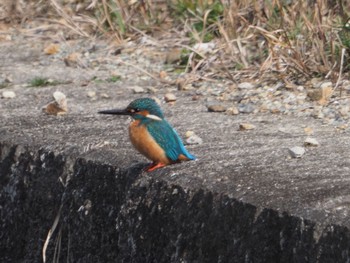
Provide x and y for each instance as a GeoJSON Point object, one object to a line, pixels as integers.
{"type": "Point", "coordinates": [114, 78]}
{"type": "Point", "coordinates": [43, 82]}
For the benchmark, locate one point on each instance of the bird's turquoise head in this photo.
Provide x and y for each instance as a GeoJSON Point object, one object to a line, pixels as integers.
{"type": "Point", "coordinates": [140, 109]}
{"type": "Point", "coordinates": [144, 107]}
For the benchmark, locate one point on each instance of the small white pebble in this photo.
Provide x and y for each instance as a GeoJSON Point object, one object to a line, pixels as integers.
{"type": "Point", "coordinates": [91, 94]}
{"type": "Point", "coordinates": [188, 134]}
{"type": "Point", "coordinates": [8, 94]}
{"type": "Point", "coordinates": [296, 151]}
{"type": "Point", "coordinates": [169, 97]}
{"type": "Point", "coordinates": [138, 89]}
{"type": "Point", "coordinates": [194, 139]}
{"type": "Point", "coordinates": [246, 126]}
{"type": "Point", "coordinates": [311, 142]}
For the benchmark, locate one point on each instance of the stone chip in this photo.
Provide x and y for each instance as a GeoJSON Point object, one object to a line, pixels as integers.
{"type": "Point", "coordinates": [8, 94]}
{"type": "Point", "coordinates": [296, 151]}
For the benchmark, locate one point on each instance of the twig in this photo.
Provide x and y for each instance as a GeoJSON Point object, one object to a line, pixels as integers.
{"type": "Point", "coordinates": [146, 72]}
{"type": "Point", "coordinates": [337, 99]}
{"type": "Point", "coordinates": [340, 70]}
{"type": "Point", "coordinates": [69, 21]}
{"type": "Point", "coordinates": [49, 234]}
{"type": "Point", "coordinates": [227, 71]}
{"type": "Point", "coordinates": [331, 70]}
{"type": "Point", "coordinates": [153, 41]}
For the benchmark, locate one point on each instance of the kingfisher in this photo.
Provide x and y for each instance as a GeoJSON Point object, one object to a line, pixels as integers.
{"type": "Point", "coordinates": [152, 135]}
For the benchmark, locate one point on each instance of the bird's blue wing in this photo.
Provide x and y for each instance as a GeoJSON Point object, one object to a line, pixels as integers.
{"type": "Point", "coordinates": [168, 139]}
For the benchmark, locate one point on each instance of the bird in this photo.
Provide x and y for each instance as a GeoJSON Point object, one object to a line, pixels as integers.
{"type": "Point", "coordinates": [152, 135]}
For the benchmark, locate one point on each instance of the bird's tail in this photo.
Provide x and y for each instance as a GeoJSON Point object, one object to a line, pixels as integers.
{"type": "Point", "coordinates": [185, 155]}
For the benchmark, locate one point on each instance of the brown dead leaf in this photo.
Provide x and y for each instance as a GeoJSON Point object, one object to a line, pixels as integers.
{"type": "Point", "coordinates": [73, 60]}
{"type": "Point", "coordinates": [52, 49]}
{"type": "Point", "coordinates": [173, 56]}
{"type": "Point", "coordinates": [58, 106]}
{"type": "Point", "coordinates": [180, 82]}
{"type": "Point", "coordinates": [5, 37]}
{"type": "Point", "coordinates": [342, 127]}
{"type": "Point", "coordinates": [163, 74]}
{"type": "Point", "coordinates": [308, 130]}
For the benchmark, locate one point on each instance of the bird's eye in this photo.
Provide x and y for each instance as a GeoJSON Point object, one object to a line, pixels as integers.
{"type": "Point", "coordinates": [134, 110]}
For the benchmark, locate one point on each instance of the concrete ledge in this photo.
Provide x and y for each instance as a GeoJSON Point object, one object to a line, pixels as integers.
{"type": "Point", "coordinates": [243, 200]}
{"type": "Point", "coordinates": [108, 214]}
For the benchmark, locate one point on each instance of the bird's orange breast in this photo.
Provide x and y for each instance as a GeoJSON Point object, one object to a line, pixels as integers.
{"type": "Point", "coordinates": [145, 144]}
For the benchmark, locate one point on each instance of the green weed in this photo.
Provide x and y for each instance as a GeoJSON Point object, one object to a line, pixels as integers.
{"type": "Point", "coordinates": [114, 78]}
{"type": "Point", "coordinates": [42, 82]}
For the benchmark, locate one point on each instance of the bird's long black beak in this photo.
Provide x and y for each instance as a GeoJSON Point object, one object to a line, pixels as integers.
{"type": "Point", "coordinates": [115, 112]}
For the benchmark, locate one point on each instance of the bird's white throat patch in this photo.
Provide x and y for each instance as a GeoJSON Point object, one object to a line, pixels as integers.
{"type": "Point", "coordinates": [153, 117]}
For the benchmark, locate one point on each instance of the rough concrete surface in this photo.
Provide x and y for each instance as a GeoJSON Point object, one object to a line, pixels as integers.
{"type": "Point", "coordinates": [243, 200]}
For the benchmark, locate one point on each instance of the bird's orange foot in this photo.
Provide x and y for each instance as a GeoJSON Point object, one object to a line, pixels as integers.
{"type": "Point", "coordinates": [154, 166]}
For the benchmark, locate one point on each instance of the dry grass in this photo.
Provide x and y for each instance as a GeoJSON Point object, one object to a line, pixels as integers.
{"type": "Point", "coordinates": [296, 39]}
{"type": "Point", "coordinates": [289, 39]}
